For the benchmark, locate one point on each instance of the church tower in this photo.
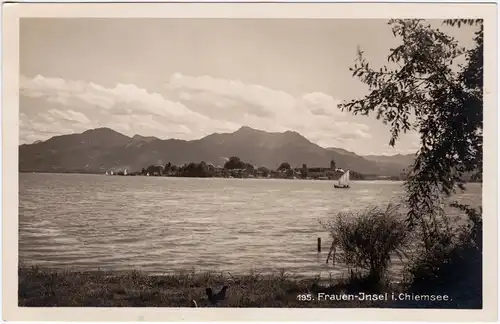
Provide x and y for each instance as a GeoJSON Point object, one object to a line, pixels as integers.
{"type": "Point", "coordinates": [332, 165]}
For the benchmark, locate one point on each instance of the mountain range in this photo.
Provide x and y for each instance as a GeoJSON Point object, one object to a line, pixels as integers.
{"type": "Point", "coordinates": [103, 149]}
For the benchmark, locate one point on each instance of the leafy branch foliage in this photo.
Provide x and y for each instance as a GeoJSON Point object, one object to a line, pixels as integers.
{"type": "Point", "coordinates": [366, 240]}
{"type": "Point", "coordinates": [422, 88]}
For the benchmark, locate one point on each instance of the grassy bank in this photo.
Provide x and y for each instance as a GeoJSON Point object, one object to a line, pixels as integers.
{"type": "Point", "coordinates": [50, 287]}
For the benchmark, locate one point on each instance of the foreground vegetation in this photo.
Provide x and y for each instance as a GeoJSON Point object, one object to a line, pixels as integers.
{"type": "Point", "coordinates": [367, 241]}
{"type": "Point", "coordinates": [51, 287]}
{"type": "Point", "coordinates": [422, 89]}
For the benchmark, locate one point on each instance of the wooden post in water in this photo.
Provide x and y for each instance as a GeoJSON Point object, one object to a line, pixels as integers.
{"type": "Point", "coordinates": [319, 244]}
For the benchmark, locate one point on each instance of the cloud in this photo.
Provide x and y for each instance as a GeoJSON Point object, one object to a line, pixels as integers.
{"type": "Point", "coordinates": [70, 115]}
{"type": "Point", "coordinates": [188, 108]}
{"type": "Point", "coordinates": [322, 104]}
{"type": "Point", "coordinates": [253, 99]}
{"type": "Point", "coordinates": [73, 105]}
{"type": "Point", "coordinates": [265, 108]}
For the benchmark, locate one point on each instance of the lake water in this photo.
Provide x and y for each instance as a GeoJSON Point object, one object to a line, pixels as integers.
{"type": "Point", "coordinates": [159, 224]}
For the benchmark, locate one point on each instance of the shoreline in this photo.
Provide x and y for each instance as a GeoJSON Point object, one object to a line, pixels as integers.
{"type": "Point", "coordinates": [366, 178]}
{"type": "Point", "coordinates": [249, 178]}
{"type": "Point", "coordinates": [42, 287]}
{"type": "Point", "coordinates": [50, 287]}
{"type": "Point", "coordinates": [212, 177]}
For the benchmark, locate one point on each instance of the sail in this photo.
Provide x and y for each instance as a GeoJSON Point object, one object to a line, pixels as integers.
{"type": "Point", "coordinates": [344, 179]}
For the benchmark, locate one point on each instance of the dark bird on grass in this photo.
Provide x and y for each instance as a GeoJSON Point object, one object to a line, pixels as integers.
{"type": "Point", "coordinates": [215, 298]}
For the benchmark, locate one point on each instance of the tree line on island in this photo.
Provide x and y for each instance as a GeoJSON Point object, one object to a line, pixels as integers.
{"type": "Point", "coordinates": [235, 167]}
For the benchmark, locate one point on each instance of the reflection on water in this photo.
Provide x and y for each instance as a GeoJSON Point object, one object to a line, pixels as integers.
{"type": "Point", "coordinates": [164, 224]}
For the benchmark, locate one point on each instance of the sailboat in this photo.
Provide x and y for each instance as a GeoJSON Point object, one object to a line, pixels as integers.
{"type": "Point", "coordinates": [343, 181]}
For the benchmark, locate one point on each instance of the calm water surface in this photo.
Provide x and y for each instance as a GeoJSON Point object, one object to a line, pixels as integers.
{"type": "Point", "coordinates": [163, 224]}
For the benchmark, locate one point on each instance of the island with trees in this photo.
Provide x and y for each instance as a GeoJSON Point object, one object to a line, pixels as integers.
{"type": "Point", "coordinates": [235, 167]}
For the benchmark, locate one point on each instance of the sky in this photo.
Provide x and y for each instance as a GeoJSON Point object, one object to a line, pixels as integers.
{"type": "Point", "coordinates": [188, 78]}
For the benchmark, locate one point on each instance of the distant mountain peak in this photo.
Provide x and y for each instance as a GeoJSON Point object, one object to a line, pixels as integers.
{"type": "Point", "coordinates": [247, 129]}
{"type": "Point", "coordinates": [290, 132]}
{"type": "Point", "coordinates": [260, 131]}
{"type": "Point", "coordinates": [100, 129]}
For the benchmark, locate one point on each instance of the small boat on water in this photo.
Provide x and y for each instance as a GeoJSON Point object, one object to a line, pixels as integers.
{"type": "Point", "coordinates": [343, 182]}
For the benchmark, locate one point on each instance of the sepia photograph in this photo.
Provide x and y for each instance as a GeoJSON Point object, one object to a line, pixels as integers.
{"type": "Point", "coordinates": [246, 162]}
